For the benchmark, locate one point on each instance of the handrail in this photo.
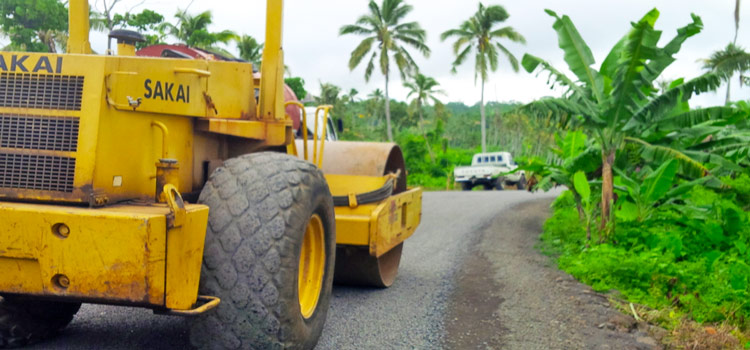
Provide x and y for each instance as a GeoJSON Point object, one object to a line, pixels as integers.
{"type": "Point", "coordinates": [326, 109]}
{"type": "Point", "coordinates": [303, 122]}
{"type": "Point", "coordinates": [164, 138]}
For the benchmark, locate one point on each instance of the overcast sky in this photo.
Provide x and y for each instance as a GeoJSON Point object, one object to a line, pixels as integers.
{"type": "Point", "coordinates": [314, 50]}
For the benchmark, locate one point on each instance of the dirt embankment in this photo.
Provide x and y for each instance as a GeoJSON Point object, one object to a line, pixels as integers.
{"type": "Point", "coordinates": [510, 296]}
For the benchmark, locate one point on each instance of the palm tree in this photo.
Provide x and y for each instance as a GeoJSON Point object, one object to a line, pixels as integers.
{"type": "Point", "coordinates": [374, 104]}
{"type": "Point", "coordinates": [99, 22]}
{"type": "Point", "coordinates": [329, 94]}
{"type": "Point", "coordinates": [736, 20]}
{"type": "Point", "coordinates": [479, 35]}
{"type": "Point", "coordinates": [375, 100]}
{"type": "Point", "coordinates": [103, 21]}
{"type": "Point", "coordinates": [351, 96]}
{"type": "Point", "coordinates": [250, 50]}
{"type": "Point", "coordinates": [382, 26]}
{"type": "Point", "coordinates": [376, 94]}
{"type": "Point", "coordinates": [424, 90]}
{"type": "Point", "coordinates": [732, 59]}
{"type": "Point", "coordinates": [193, 30]}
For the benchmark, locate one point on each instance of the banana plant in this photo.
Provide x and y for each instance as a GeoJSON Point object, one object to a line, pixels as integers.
{"type": "Point", "coordinates": [640, 195]}
{"type": "Point", "coordinates": [619, 101]}
{"type": "Point", "coordinates": [731, 143]}
{"type": "Point", "coordinates": [574, 153]}
{"type": "Point", "coordinates": [583, 190]}
{"type": "Point", "coordinates": [643, 194]}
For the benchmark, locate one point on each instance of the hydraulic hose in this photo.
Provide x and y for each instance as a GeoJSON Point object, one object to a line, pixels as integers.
{"type": "Point", "coordinates": [367, 197]}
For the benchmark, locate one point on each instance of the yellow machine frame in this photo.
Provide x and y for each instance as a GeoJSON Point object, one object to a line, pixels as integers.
{"type": "Point", "coordinates": [103, 219]}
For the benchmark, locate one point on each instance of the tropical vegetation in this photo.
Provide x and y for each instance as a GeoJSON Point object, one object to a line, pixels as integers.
{"type": "Point", "coordinates": [387, 37]}
{"type": "Point", "coordinates": [424, 89]}
{"type": "Point", "coordinates": [478, 35]}
{"type": "Point", "coordinates": [250, 49]}
{"type": "Point", "coordinates": [193, 30]}
{"type": "Point", "coordinates": [35, 25]}
{"type": "Point", "coordinates": [618, 104]}
{"type": "Point", "coordinates": [656, 191]}
{"type": "Point", "coordinates": [656, 203]}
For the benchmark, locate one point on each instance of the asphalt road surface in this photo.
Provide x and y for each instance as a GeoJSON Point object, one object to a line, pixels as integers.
{"type": "Point", "coordinates": [470, 278]}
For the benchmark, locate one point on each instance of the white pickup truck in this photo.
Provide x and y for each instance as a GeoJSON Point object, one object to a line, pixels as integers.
{"type": "Point", "coordinates": [492, 170]}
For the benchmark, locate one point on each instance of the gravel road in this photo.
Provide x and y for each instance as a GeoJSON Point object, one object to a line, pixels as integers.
{"type": "Point", "coordinates": [469, 279]}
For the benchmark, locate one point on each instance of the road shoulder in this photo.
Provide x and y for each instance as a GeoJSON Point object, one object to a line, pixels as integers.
{"type": "Point", "coordinates": [510, 296]}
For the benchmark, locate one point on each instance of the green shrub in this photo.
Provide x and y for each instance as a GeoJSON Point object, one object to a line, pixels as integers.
{"type": "Point", "coordinates": [694, 255]}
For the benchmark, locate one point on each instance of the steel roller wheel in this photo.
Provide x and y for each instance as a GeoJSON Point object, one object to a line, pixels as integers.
{"type": "Point", "coordinates": [269, 254]}
{"type": "Point", "coordinates": [355, 266]}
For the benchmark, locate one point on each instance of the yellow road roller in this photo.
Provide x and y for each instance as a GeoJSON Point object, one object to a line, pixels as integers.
{"type": "Point", "coordinates": [179, 184]}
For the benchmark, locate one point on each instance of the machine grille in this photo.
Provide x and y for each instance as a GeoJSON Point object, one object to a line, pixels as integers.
{"type": "Point", "coordinates": [37, 172]}
{"type": "Point", "coordinates": [38, 132]}
{"type": "Point", "coordinates": [60, 92]}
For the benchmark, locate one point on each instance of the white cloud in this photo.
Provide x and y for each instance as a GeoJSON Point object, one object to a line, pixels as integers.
{"type": "Point", "coordinates": [314, 51]}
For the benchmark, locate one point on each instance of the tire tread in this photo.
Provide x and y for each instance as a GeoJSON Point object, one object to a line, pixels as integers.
{"type": "Point", "coordinates": [25, 322]}
{"type": "Point", "coordinates": [254, 201]}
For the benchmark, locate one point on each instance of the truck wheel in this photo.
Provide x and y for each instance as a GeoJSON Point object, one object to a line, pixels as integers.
{"type": "Point", "coordinates": [521, 185]}
{"type": "Point", "coordinates": [499, 184]}
{"type": "Point", "coordinates": [24, 322]}
{"type": "Point", "coordinates": [269, 254]}
{"type": "Point", "coordinates": [466, 186]}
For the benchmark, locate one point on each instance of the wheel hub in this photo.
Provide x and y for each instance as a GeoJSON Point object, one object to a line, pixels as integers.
{"type": "Point", "coordinates": [311, 266]}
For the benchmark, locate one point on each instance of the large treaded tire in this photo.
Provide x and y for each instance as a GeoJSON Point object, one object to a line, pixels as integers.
{"type": "Point", "coordinates": [260, 205]}
{"type": "Point", "coordinates": [25, 322]}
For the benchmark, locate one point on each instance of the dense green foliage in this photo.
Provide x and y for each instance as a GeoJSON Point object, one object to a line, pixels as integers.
{"type": "Point", "coordinates": [297, 85]}
{"type": "Point", "coordinates": [193, 30]}
{"type": "Point", "coordinates": [618, 103]}
{"type": "Point", "coordinates": [674, 231]}
{"type": "Point", "coordinates": [423, 90]}
{"type": "Point", "coordinates": [693, 256]}
{"type": "Point", "coordinates": [147, 22]}
{"type": "Point", "coordinates": [33, 25]}
{"type": "Point", "coordinates": [451, 130]}
{"type": "Point", "coordinates": [658, 193]}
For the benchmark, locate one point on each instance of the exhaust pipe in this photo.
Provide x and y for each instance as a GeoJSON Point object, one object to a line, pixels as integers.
{"type": "Point", "coordinates": [78, 27]}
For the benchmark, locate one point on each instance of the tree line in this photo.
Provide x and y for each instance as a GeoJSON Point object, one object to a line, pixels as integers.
{"type": "Point", "coordinates": [41, 26]}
